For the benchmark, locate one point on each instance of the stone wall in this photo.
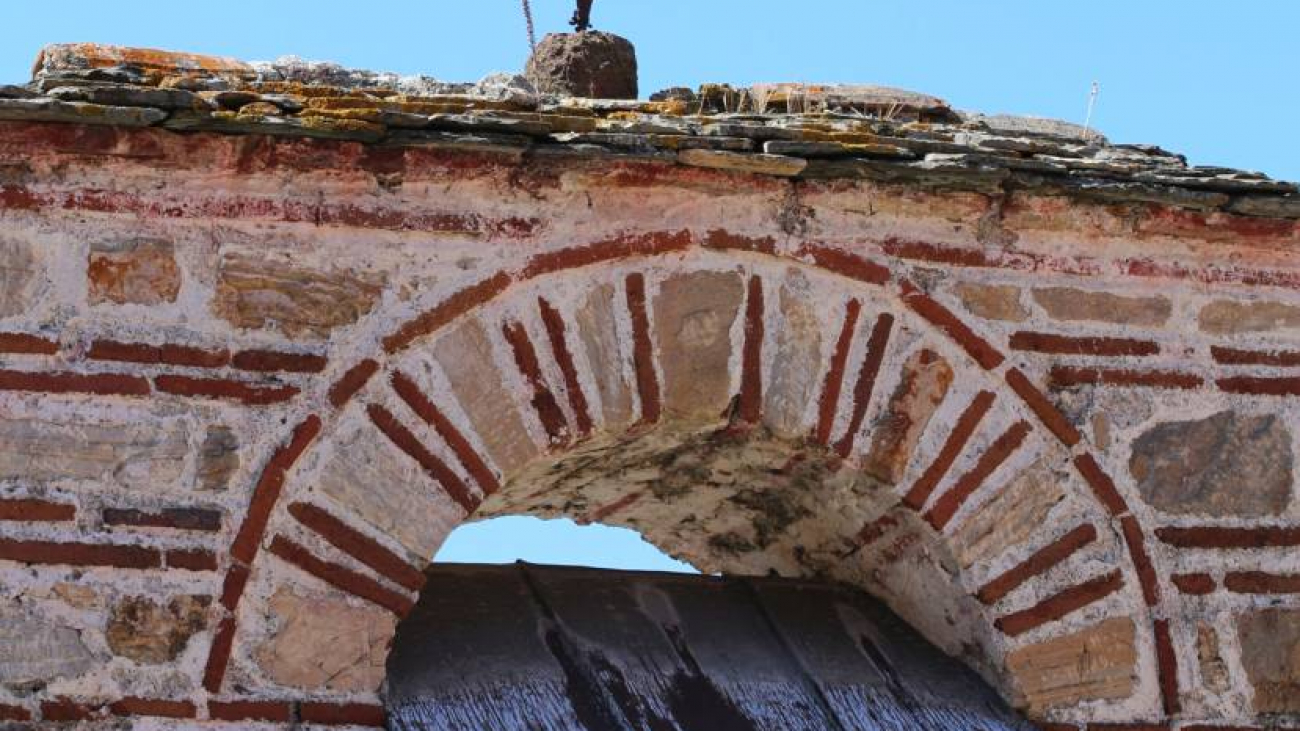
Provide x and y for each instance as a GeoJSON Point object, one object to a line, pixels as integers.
{"type": "Point", "coordinates": [248, 385]}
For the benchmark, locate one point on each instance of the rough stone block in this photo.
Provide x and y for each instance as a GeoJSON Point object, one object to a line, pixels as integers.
{"type": "Point", "coordinates": [142, 272]}
{"type": "Point", "coordinates": [792, 384]}
{"type": "Point", "coordinates": [598, 332]}
{"type": "Point", "coordinates": [992, 301]}
{"type": "Point", "coordinates": [326, 644]}
{"type": "Point", "coordinates": [34, 651]}
{"type": "Point", "coordinates": [1097, 663]}
{"type": "Point", "coordinates": [388, 490]}
{"type": "Point", "coordinates": [1074, 305]}
{"type": "Point", "coordinates": [693, 317]}
{"type": "Point", "coordinates": [1225, 464]}
{"type": "Point", "coordinates": [1011, 517]}
{"type": "Point", "coordinates": [924, 384]}
{"type": "Point", "coordinates": [257, 294]}
{"type": "Point", "coordinates": [465, 355]}
{"type": "Point", "coordinates": [131, 455]}
{"type": "Point", "coordinates": [1226, 317]}
{"type": "Point", "coordinates": [1270, 652]}
{"type": "Point", "coordinates": [147, 632]}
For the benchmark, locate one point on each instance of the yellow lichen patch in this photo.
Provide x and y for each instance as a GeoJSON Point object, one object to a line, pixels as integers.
{"type": "Point", "coordinates": [96, 55]}
{"type": "Point", "coordinates": [673, 107]}
{"type": "Point", "coordinates": [473, 102]}
{"type": "Point", "coordinates": [312, 121]}
{"type": "Point", "coordinates": [304, 90]}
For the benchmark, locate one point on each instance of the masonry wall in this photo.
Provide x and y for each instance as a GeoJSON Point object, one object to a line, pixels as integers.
{"type": "Point", "coordinates": [248, 385]}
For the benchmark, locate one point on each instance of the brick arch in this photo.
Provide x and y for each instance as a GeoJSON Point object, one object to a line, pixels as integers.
{"type": "Point", "coordinates": [899, 391]}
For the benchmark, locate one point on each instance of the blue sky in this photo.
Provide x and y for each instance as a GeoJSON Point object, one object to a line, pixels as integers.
{"type": "Point", "coordinates": [1213, 80]}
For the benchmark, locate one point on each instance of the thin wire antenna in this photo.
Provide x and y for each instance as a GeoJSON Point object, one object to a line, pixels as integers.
{"type": "Point", "coordinates": [1092, 102]}
{"type": "Point", "coordinates": [528, 20]}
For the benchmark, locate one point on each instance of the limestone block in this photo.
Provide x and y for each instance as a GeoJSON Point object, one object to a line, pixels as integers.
{"type": "Point", "coordinates": [792, 384]}
{"type": "Point", "coordinates": [992, 301]}
{"type": "Point", "coordinates": [1097, 663]}
{"type": "Point", "coordinates": [131, 455]}
{"type": "Point", "coordinates": [597, 330]}
{"type": "Point", "coordinates": [218, 458]}
{"type": "Point", "coordinates": [326, 644]}
{"type": "Point", "coordinates": [1226, 317]}
{"type": "Point", "coordinates": [1225, 464]}
{"type": "Point", "coordinates": [693, 317]}
{"type": "Point", "coordinates": [465, 355]}
{"type": "Point", "coordinates": [19, 276]}
{"type": "Point", "coordinates": [1073, 305]}
{"type": "Point", "coordinates": [255, 294]}
{"type": "Point", "coordinates": [140, 272]}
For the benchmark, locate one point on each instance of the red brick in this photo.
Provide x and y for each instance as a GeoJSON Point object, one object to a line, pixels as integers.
{"type": "Point", "coordinates": [342, 714]}
{"type": "Point", "coordinates": [1206, 536]}
{"type": "Point", "coordinates": [267, 490]}
{"type": "Point", "coordinates": [403, 439]}
{"type": "Point", "coordinates": [80, 554]}
{"type": "Point", "coordinates": [1040, 562]}
{"type": "Point", "coordinates": [604, 511]}
{"type": "Point", "coordinates": [33, 510]}
{"type": "Point", "coordinates": [647, 382]}
{"type": "Point", "coordinates": [274, 711]}
{"type": "Point", "coordinates": [65, 710]}
{"type": "Point", "coordinates": [1167, 668]}
{"type": "Point", "coordinates": [449, 309]}
{"type": "Point", "coordinates": [866, 383]}
{"type": "Point", "coordinates": [952, 447]}
{"type": "Point", "coordinates": [232, 587]}
{"type": "Point", "coordinates": [875, 530]}
{"type": "Point", "coordinates": [1260, 386]}
{"type": "Point", "coordinates": [1195, 584]}
{"type": "Point", "coordinates": [1043, 726]}
{"type": "Point", "coordinates": [1128, 727]}
{"type": "Point", "coordinates": [102, 384]}
{"type": "Point", "coordinates": [341, 577]}
{"type": "Point", "coordinates": [834, 380]}
{"type": "Point", "coordinates": [222, 388]}
{"type": "Point", "coordinates": [1236, 356]}
{"type": "Point", "coordinates": [433, 416]}
{"type": "Point", "coordinates": [718, 238]}
{"type": "Point", "coordinates": [1146, 572]}
{"type": "Point", "coordinates": [14, 713]}
{"type": "Point", "coordinates": [1214, 727]}
{"type": "Point", "coordinates": [177, 355]}
{"type": "Point", "coordinates": [751, 366]}
{"type": "Point", "coordinates": [223, 641]}
{"type": "Point", "coordinates": [951, 501]}
{"type": "Point", "coordinates": [358, 546]}
{"type": "Point", "coordinates": [1262, 582]}
{"type": "Point", "coordinates": [555, 330]}
{"type": "Point", "coordinates": [941, 317]}
{"type": "Point", "coordinates": [923, 251]}
{"type": "Point", "coordinates": [1101, 484]}
{"type": "Point", "coordinates": [27, 344]}
{"type": "Point", "coordinates": [1059, 605]}
{"type": "Point", "coordinates": [1066, 376]}
{"type": "Point", "coordinates": [845, 264]}
{"type": "Point", "coordinates": [191, 559]}
{"type": "Point", "coordinates": [621, 247]}
{"type": "Point", "coordinates": [351, 382]}
{"type": "Point", "coordinates": [274, 361]}
{"type": "Point", "coordinates": [1044, 409]}
{"type": "Point", "coordinates": [152, 707]}
{"type": "Point", "coordinates": [196, 519]}
{"type": "Point", "coordinates": [1070, 345]}
{"type": "Point", "coordinates": [543, 401]}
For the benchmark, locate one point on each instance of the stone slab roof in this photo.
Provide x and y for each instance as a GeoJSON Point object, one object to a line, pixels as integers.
{"type": "Point", "coordinates": [802, 131]}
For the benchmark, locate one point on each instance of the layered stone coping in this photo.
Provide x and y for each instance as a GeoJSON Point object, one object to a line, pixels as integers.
{"type": "Point", "coordinates": [797, 131]}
